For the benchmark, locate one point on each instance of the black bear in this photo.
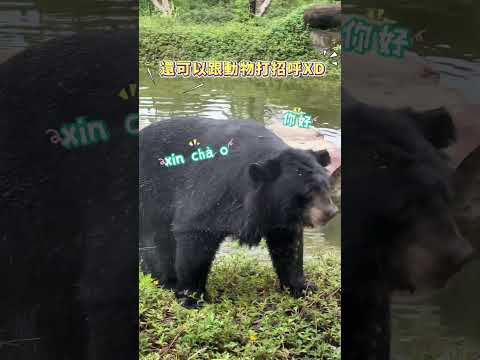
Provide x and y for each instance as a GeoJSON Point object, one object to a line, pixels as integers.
{"type": "Point", "coordinates": [467, 202]}
{"type": "Point", "coordinates": [252, 185]}
{"type": "Point", "coordinates": [398, 230]}
{"type": "Point", "coordinates": [69, 215]}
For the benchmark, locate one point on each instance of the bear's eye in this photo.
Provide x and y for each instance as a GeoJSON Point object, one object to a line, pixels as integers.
{"type": "Point", "coordinates": [303, 172]}
{"type": "Point", "coordinates": [405, 210]}
{"type": "Point", "coordinates": [302, 199]}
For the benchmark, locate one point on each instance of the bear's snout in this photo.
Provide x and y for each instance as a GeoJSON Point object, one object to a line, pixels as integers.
{"type": "Point", "coordinates": [457, 252]}
{"type": "Point", "coordinates": [437, 256]}
{"type": "Point", "coordinates": [320, 213]}
{"type": "Point", "coordinates": [461, 254]}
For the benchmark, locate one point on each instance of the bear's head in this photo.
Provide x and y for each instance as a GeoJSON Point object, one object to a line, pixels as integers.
{"type": "Point", "coordinates": [293, 188]}
{"type": "Point", "coordinates": [397, 196]}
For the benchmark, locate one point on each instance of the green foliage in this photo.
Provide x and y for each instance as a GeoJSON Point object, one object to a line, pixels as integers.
{"type": "Point", "coordinates": [226, 32]}
{"type": "Point", "coordinates": [226, 10]}
{"type": "Point", "coordinates": [242, 10]}
{"type": "Point", "coordinates": [280, 8]}
{"type": "Point", "coordinates": [248, 317]}
{"type": "Point", "coordinates": [206, 15]}
{"type": "Point", "coordinates": [146, 7]}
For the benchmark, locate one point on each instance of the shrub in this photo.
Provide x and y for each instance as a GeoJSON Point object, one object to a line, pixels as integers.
{"type": "Point", "coordinates": [248, 317]}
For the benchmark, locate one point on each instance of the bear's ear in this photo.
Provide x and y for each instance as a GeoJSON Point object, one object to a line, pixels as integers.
{"type": "Point", "coordinates": [322, 156]}
{"type": "Point", "coordinates": [265, 171]}
{"type": "Point", "coordinates": [436, 126]}
{"type": "Point", "coordinates": [387, 155]}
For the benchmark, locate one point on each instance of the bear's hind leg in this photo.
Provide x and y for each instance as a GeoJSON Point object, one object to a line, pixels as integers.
{"type": "Point", "coordinates": [195, 254]}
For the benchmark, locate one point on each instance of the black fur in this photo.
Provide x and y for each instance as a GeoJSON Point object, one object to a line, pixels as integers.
{"type": "Point", "coordinates": [68, 218]}
{"type": "Point", "coordinates": [188, 210]}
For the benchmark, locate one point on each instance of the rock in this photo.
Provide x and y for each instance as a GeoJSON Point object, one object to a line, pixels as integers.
{"type": "Point", "coordinates": [308, 139]}
{"type": "Point", "coordinates": [395, 83]}
{"type": "Point", "coordinates": [411, 82]}
{"type": "Point", "coordinates": [323, 17]}
{"type": "Point", "coordinates": [322, 39]}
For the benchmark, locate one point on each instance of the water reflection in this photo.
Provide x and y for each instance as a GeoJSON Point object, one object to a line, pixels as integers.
{"type": "Point", "coordinates": [450, 25]}
{"type": "Point", "coordinates": [243, 99]}
{"type": "Point", "coordinates": [445, 325]}
{"type": "Point", "coordinates": [26, 23]}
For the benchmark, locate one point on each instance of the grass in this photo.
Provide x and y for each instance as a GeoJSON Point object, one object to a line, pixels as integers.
{"type": "Point", "coordinates": [273, 38]}
{"type": "Point", "coordinates": [248, 318]}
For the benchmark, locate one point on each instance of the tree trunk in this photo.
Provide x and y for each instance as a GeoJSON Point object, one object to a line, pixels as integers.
{"type": "Point", "coordinates": [264, 7]}
{"type": "Point", "coordinates": [164, 6]}
{"type": "Point", "coordinates": [167, 8]}
{"type": "Point", "coordinates": [253, 7]}
{"type": "Point", "coordinates": [157, 5]}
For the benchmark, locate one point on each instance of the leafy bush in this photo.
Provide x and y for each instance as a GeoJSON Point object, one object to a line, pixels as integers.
{"type": "Point", "coordinates": [206, 15]}
{"type": "Point", "coordinates": [248, 317]}
{"type": "Point", "coordinates": [282, 38]}
{"type": "Point", "coordinates": [146, 7]}
{"type": "Point", "coordinates": [225, 10]}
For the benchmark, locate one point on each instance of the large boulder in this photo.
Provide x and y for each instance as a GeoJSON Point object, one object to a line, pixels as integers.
{"type": "Point", "coordinates": [323, 17]}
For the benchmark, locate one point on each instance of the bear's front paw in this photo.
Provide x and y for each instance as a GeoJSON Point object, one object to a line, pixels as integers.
{"type": "Point", "coordinates": [189, 300]}
{"type": "Point", "coordinates": [302, 289]}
